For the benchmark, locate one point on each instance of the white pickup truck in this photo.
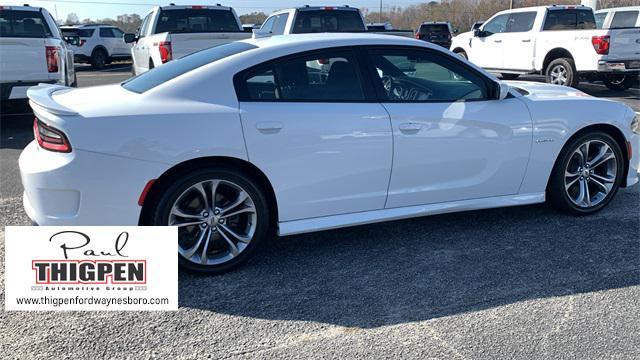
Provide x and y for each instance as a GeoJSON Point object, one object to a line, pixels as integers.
{"type": "Point", "coordinates": [314, 19]}
{"type": "Point", "coordinates": [32, 51]}
{"type": "Point", "coordinates": [560, 42]}
{"type": "Point", "coordinates": [170, 32]}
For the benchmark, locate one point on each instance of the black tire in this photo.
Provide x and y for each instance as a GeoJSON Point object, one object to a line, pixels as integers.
{"type": "Point", "coordinates": [462, 54]}
{"type": "Point", "coordinates": [151, 66]}
{"type": "Point", "coordinates": [507, 76]}
{"type": "Point", "coordinates": [556, 194]}
{"type": "Point", "coordinates": [171, 192]}
{"type": "Point", "coordinates": [619, 82]}
{"type": "Point", "coordinates": [562, 64]}
{"type": "Point", "coordinates": [99, 59]}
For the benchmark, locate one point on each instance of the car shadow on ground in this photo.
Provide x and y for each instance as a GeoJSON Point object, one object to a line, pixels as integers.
{"type": "Point", "coordinates": [429, 267]}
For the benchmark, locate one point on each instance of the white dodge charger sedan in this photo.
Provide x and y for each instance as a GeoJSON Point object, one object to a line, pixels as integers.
{"type": "Point", "coordinates": [300, 133]}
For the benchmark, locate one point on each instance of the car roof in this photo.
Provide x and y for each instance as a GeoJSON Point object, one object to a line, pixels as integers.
{"type": "Point", "coordinates": [323, 40]}
{"type": "Point", "coordinates": [622, 8]}
{"type": "Point", "coordinates": [20, 7]}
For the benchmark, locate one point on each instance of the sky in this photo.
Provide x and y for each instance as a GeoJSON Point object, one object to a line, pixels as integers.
{"type": "Point", "coordinates": [99, 9]}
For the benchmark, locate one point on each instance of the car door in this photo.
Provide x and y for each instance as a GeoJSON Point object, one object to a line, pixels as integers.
{"type": "Point", "coordinates": [318, 134]}
{"type": "Point", "coordinates": [451, 140]}
{"type": "Point", "coordinates": [140, 48]}
{"type": "Point", "coordinates": [108, 40]}
{"type": "Point", "coordinates": [518, 41]}
{"type": "Point", "coordinates": [121, 48]}
{"type": "Point", "coordinates": [486, 49]}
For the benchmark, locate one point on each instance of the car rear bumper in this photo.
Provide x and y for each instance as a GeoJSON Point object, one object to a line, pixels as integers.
{"type": "Point", "coordinates": [82, 187]}
{"type": "Point", "coordinates": [619, 66]}
{"type": "Point", "coordinates": [18, 90]}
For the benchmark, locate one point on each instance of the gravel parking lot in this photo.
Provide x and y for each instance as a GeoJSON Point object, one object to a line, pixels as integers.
{"type": "Point", "coordinates": [522, 282]}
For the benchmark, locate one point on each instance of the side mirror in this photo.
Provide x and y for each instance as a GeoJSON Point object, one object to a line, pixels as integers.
{"type": "Point", "coordinates": [72, 40]}
{"type": "Point", "coordinates": [129, 38]}
{"type": "Point", "coordinates": [455, 31]}
{"type": "Point", "coordinates": [503, 90]}
{"type": "Point", "coordinates": [477, 32]}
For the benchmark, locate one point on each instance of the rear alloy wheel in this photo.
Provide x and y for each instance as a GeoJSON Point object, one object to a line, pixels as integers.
{"type": "Point", "coordinates": [588, 174]}
{"type": "Point", "coordinates": [619, 82]}
{"type": "Point", "coordinates": [98, 59]}
{"type": "Point", "coordinates": [562, 72]}
{"type": "Point", "coordinates": [221, 217]}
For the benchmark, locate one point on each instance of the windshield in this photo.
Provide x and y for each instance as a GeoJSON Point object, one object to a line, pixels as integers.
{"type": "Point", "coordinates": [197, 21]}
{"type": "Point", "coordinates": [315, 21]}
{"type": "Point", "coordinates": [178, 67]}
{"type": "Point", "coordinates": [23, 24]}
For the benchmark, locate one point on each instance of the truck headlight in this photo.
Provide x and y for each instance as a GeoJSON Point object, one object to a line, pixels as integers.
{"type": "Point", "coordinates": [635, 124]}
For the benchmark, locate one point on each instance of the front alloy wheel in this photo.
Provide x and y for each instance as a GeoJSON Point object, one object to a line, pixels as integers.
{"type": "Point", "coordinates": [587, 174]}
{"type": "Point", "coordinates": [590, 174]}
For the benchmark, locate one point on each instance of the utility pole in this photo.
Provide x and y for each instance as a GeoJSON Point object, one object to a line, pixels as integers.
{"type": "Point", "coordinates": [510, 4]}
{"type": "Point", "coordinates": [380, 13]}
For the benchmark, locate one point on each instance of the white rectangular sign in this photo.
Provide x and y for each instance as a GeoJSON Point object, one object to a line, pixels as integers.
{"type": "Point", "coordinates": [91, 268]}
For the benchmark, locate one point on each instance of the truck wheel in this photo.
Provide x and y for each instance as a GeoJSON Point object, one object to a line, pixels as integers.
{"type": "Point", "coordinates": [562, 71]}
{"type": "Point", "coordinates": [462, 54]}
{"type": "Point", "coordinates": [506, 76]}
{"type": "Point", "coordinates": [98, 59]}
{"type": "Point", "coordinates": [619, 82]}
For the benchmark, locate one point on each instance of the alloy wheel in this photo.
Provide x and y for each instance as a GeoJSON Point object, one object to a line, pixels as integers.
{"type": "Point", "coordinates": [590, 174]}
{"type": "Point", "coordinates": [559, 75]}
{"type": "Point", "coordinates": [216, 221]}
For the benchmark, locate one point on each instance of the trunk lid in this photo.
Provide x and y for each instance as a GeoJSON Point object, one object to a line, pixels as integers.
{"type": "Point", "coordinates": [625, 44]}
{"type": "Point", "coordinates": [23, 59]}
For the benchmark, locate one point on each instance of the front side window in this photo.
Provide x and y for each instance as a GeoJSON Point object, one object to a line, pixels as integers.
{"type": "Point", "coordinates": [315, 21]}
{"type": "Point", "coordinates": [521, 21]}
{"type": "Point", "coordinates": [569, 20]}
{"type": "Point", "coordinates": [624, 19]}
{"type": "Point", "coordinates": [268, 25]}
{"type": "Point", "coordinates": [600, 19]}
{"type": "Point", "coordinates": [328, 77]}
{"type": "Point", "coordinates": [145, 26]}
{"type": "Point", "coordinates": [23, 24]}
{"type": "Point", "coordinates": [497, 25]}
{"type": "Point", "coordinates": [420, 76]}
{"type": "Point", "coordinates": [280, 24]}
{"type": "Point", "coordinates": [196, 21]}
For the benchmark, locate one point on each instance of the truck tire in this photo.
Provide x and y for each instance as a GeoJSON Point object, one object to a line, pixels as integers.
{"type": "Point", "coordinates": [506, 76]}
{"type": "Point", "coordinates": [462, 54]}
{"type": "Point", "coordinates": [562, 71]}
{"type": "Point", "coordinates": [619, 82]}
{"type": "Point", "coordinates": [99, 58]}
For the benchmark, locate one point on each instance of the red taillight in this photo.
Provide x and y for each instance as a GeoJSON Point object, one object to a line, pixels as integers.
{"type": "Point", "coordinates": [323, 61]}
{"type": "Point", "coordinates": [329, 8]}
{"type": "Point", "coordinates": [197, 7]}
{"type": "Point", "coordinates": [52, 58]}
{"type": "Point", "coordinates": [601, 44]}
{"type": "Point", "coordinates": [50, 138]}
{"type": "Point", "coordinates": [418, 36]}
{"type": "Point", "coordinates": [165, 51]}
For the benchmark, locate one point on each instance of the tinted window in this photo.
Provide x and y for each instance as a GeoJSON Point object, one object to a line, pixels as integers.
{"type": "Point", "coordinates": [23, 24]}
{"type": "Point", "coordinates": [145, 26]}
{"type": "Point", "coordinates": [175, 68]}
{"type": "Point", "coordinates": [420, 76]}
{"type": "Point", "coordinates": [314, 21]}
{"type": "Point", "coordinates": [624, 19]}
{"type": "Point", "coordinates": [196, 20]}
{"type": "Point", "coordinates": [330, 77]}
{"type": "Point", "coordinates": [280, 24]}
{"type": "Point", "coordinates": [497, 25]}
{"type": "Point", "coordinates": [569, 20]}
{"type": "Point", "coordinates": [521, 21]}
{"type": "Point", "coordinates": [107, 33]}
{"type": "Point", "coordinates": [433, 28]}
{"type": "Point", "coordinates": [600, 19]}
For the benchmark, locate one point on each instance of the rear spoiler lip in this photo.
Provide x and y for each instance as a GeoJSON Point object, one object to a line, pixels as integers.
{"type": "Point", "coordinates": [41, 97]}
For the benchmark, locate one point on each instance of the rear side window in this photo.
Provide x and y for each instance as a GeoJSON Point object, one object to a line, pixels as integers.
{"type": "Point", "coordinates": [569, 20]}
{"type": "Point", "coordinates": [106, 33]}
{"type": "Point", "coordinates": [85, 32]}
{"type": "Point", "coordinates": [521, 21]}
{"type": "Point", "coordinates": [197, 21]}
{"type": "Point", "coordinates": [280, 24]}
{"type": "Point", "coordinates": [332, 76]}
{"type": "Point", "coordinates": [624, 19]}
{"type": "Point", "coordinates": [315, 21]}
{"type": "Point", "coordinates": [175, 68]}
{"type": "Point", "coordinates": [433, 28]}
{"type": "Point", "coordinates": [23, 24]}
{"type": "Point", "coordinates": [600, 19]}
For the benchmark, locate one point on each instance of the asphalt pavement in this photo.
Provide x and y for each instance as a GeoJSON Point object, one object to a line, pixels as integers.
{"type": "Point", "coordinates": [517, 283]}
